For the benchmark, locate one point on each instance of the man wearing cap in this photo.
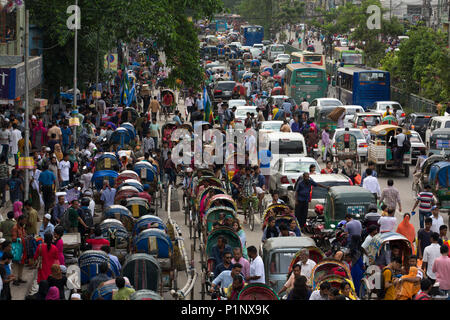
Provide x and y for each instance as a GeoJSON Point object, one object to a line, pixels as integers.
{"type": "Point", "coordinates": [46, 225]}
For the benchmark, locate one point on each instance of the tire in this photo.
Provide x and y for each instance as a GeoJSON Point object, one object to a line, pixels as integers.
{"type": "Point", "coordinates": [406, 170]}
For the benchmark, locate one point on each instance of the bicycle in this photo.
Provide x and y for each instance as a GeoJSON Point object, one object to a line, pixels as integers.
{"type": "Point", "coordinates": [251, 210]}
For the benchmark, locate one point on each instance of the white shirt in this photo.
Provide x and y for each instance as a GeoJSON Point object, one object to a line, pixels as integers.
{"type": "Point", "coordinates": [315, 295]}
{"type": "Point", "coordinates": [437, 222]}
{"type": "Point", "coordinates": [365, 245]}
{"type": "Point", "coordinates": [387, 223]}
{"type": "Point", "coordinates": [371, 184]}
{"type": "Point", "coordinates": [64, 167]}
{"type": "Point", "coordinates": [16, 135]}
{"type": "Point", "coordinates": [86, 180]}
{"type": "Point", "coordinates": [305, 106]}
{"type": "Point", "coordinates": [306, 269]}
{"type": "Point", "coordinates": [257, 269]}
{"type": "Point", "coordinates": [430, 254]}
{"type": "Point", "coordinates": [92, 207]}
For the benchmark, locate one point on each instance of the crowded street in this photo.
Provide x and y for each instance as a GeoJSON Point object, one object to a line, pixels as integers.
{"type": "Point", "coordinates": [261, 163]}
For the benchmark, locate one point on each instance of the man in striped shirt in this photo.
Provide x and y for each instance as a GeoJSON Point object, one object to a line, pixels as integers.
{"type": "Point", "coordinates": [425, 200]}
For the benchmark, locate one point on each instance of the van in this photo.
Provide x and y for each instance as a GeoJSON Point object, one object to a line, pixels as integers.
{"type": "Point", "coordinates": [438, 122]}
{"type": "Point", "coordinates": [274, 50]}
{"type": "Point", "coordinates": [285, 144]}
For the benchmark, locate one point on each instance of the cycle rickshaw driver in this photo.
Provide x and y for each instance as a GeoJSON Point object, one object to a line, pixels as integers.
{"type": "Point", "coordinates": [247, 187]}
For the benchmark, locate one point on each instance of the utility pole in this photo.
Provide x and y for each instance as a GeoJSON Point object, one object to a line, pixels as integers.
{"type": "Point", "coordinates": [27, 104]}
{"type": "Point", "coordinates": [75, 72]}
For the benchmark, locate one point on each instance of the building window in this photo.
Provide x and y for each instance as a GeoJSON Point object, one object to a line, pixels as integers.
{"type": "Point", "coordinates": [7, 26]}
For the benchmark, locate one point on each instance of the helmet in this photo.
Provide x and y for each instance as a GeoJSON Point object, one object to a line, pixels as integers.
{"type": "Point", "coordinates": [318, 209]}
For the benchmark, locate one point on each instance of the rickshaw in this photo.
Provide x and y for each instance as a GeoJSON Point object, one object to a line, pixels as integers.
{"type": "Point", "coordinates": [126, 175]}
{"type": "Point", "coordinates": [138, 207]}
{"type": "Point", "coordinates": [143, 271]}
{"type": "Point", "coordinates": [257, 292]}
{"type": "Point", "coordinates": [247, 57]}
{"type": "Point", "coordinates": [389, 120]}
{"type": "Point", "coordinates": [130, 183]}
{"type": "Point", "coordinates": [332, 271]}
{"type": "Point", "coordinates": [107, 161]}
{"type": "Point", "coordinates": [342, 200]}
{"type": "Point", "coordinates": [120, 136]}
{"type": "Point", "coordinates": [105, 290]}
{"type": "Point", "coordinates": [282, 214]}
{"type": "Point", "coordinates": [167, 108]}
{"type": "Point", "coordinates": [238, 91]}
{"type": "Point", "coordinates": [89, 262]}
{"type": "Point", "coordinates": [130, 128]}
{"type": "Point", "coordinates": [147, 222]}
{"type": "Point", "coordinates": [381, 151]}
{"type": "Point", "coordinates": [438, 179]}
{"type": "Point", "coordinates": [346, 147]}
{"type": "Point", "coordinates": [277, 254]}
{"type": "Point", "coordinates": [377, 250]}
{"type": "Point", "coordinates": [268, 69]}
{"type": "Point", "coordinates": [255, 64]}
{"type": "Point", "coordinates": [208, 263]}
{"type": "Point", "coordinates": [125, 193]}
{"type": "Point", "coordinates": [118, 236]}
{"type": "Point", "coordinates": [166, 132]}
{"type": "Point", "coordinates": [129, 115]}
{"type": "Point", "coordinates": [104, 175]}
{"type": "Point", "coordinates": [149, 175]}
{"type": "Point", "coordinates": [247, 75]}
{"type": "Point", "coordinates": [439, 142]}
{"type": "Point", "coordinates": [224, 200]}
{"type": "Point", "coordinates": [145, 295]}
{"type": "Point", "coordinates": [204, 173]}
{"type": "Point", "coordinates": [120, 213]}
{"type": "Point", "coordinates": [213, 215]}
{"type": "Point", "coordinates": [277, 91]}
{"type": "Point", "coordinates": [206, 182]}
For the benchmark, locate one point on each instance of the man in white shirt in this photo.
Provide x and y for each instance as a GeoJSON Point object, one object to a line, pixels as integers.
{"type": "Point", "coordinates": [372, 232]}
{"type": "Point", "coordinates": [248, 87]}
{"type": "Point", "coordinates": [371, 183]}
{"type": "Point", "coordinates": [16, 135]}
{"type": "Point", "coordinates": [389, 223]}
{"type": "Point", "coordinates": [322, 293]}
{"type": "Point", "coordinates": [437, 219]}
{"type": "Point", "coordinates": [431, 253]}
{"type": "Point", "coordinates": [64, 167]}
{"type": "Point", "coordinates": [305, 106]}
{"type": "Point", "coordinates": [306, 264]}
{"type": "Point", "coordinates": [256, 267]}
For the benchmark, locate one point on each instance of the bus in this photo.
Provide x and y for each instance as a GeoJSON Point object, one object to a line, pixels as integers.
{"type": "Point", "coordinates": [251, 35]}
{"type": "Point", "coordinates": [348, 56]}
{"type": "Point", "coordinates": [362, 86]}
{"type": "Point", "coordinates": [221, 26]}
{"type": "Point", "coordinates": [305, 80]}
{"type": "Point", "coordinates": [308, 57]}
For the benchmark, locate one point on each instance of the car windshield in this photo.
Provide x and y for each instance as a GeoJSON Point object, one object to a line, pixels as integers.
{"type": "Point", "coordinates": [351, 111]}
{"type": "Point", "coordinates": [370, 120]}
{"type": "Point", "coordinates": [280, 262]}
{"type": "Point", "coordinates": [440, 141]}
{"type": "Point", "coordinates": [352, 58]}
{"type": "Point", "coordinates": [277, 49]}
{"type": "Point", "coordinates": [415, 138]}
{"type": "Point", "coordinates": [298, 167]}
{"type": "Point", "coordinates": [312, 58]}
{"type": "Point", "coordinates": [321, 193]}
{"type": "Point", "coordinates": [330, 103]}
{"type": "Point", "coordinates": [271, 125]}
{"type": "Point", "coordinates": [242, 113]}
{"type": "Point", "coordinates": [357, 133]}
{"type": "Point", "coordinates": [229, 86]}
{"type": "Point", "coordinates": [236, 103]}
{"type": "Point", "coordinates": [396, 106]}
{"type": "Point", "coordinates": [447, 124]}
{"type": "Point", "coordinates": [421, 121]}
{"type": "Point", "coordinates": [286, 146]}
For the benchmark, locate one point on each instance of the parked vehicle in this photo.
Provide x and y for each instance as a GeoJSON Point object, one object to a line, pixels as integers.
{"type": "Point", "coordinates": [418, 122]}
{"type": "Point", "coordinates": [417, 145]}
{"type": "Point", "coordinates": [380, 107]}
{"type": "Point", "coordinates": [439, 142]}
{"type": "Point", "coordinates": [371, 118]}
{"type": "Point", "coordinates": [436, 123]}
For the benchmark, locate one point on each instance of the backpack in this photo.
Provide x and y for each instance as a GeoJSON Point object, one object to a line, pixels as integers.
{"type": "Point", "coordinates": [86, 216]}
{"type": "Point", "coordinates": [381, 293]}
{"type": "Point", "coordinates": [406, 144]}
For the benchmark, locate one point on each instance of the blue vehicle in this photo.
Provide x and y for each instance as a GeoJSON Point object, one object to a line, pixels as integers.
{"type": "Point", "coordinates": [358, 86]}
{"type": "Point", "coordinates": [251, 35]}
{"type": "Point", "coordinates": [221, 26]}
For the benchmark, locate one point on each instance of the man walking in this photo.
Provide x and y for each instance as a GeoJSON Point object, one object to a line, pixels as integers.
{"type": "Point", "coordinates": [425, 200]}
{"type": "Point", "coordinates": [391, 196]}
{"type": "Point", "coordinates": [154, 108]}
{"type": "Point", "coordinates": [256, 267]}
{"type": "Point", "coordinates": [371, 183]}
{"type": "Point", "coordinates": [441, 269]}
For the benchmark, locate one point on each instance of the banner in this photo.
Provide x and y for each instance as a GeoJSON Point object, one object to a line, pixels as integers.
{"type": "Point", "coordinates": [26, 163]}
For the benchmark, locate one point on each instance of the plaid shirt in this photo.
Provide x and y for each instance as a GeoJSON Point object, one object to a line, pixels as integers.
{"type": "Point", "coordinates": [390, 196]}
{"type": "Point", "coordinates": [4, 171]}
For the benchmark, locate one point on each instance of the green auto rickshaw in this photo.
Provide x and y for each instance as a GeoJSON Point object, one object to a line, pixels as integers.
{"type": "Point", "coordinates": [341, 200]}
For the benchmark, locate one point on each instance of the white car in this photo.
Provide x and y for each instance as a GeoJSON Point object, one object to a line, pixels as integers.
{"type": "Point", "coordinates": [256, 53]}
{"type": "Point", "coordinates": [286, 171]}
{"type": "Point", "coordinates": [350, 111]}
{"type": "Point", "coordinates": [323, 102]}
{"type": "Point", "coordinates": [236, 103]}
{"type": "Point", "coordinates": [380, 107]}
{"type": "Point", "coordinates": [270, 126]}
{"type": "Point", "coordinates": [283, 58]}
{"type": "Point", "coordinates": [241, 114]}
{"type": "Point", "coordinates": [360, 140]}
{"type": "Point", "coordinates": [417, 145]}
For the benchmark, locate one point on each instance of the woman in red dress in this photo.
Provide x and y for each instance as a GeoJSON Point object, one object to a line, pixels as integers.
{"type": "Point", "coordinates": [49, 254]}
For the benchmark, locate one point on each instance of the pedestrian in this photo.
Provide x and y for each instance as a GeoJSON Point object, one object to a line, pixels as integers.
{"type": "Point", "coordinates": [124, 292]}
{"type": "Point", "coordinates": [256, 267]}
{"type": "Point", "coordinates": [17, 209]}
{"type": "Point", "coordinates": [64, 169]}
{"type": "Point", "coordinates": [407, 229]}
{"type": "Point", "coordinates": [57, 279]}
{"type": "Point", "coordinates": [424, 237]}
{"type": "Point", "coordinates": [107, 195]}
{"type": "Point", "coordinates": [16, 135]}
{"type": "Point", "coordinates": [46, 226]}
{"type": "Point", "coordinates": [155, 132]}
{"type": "Point", "coordinates": [47, 181]}
{"type": "Point", "coordinates": [441, 268]}
{"type": "Point", "coordinates": [437, 219]}
{"type": "Point", "coordinates": [352, 227]}
{"type": "Point", "coordinates": [18, 236]}
{"type": "Point", "coordinates": [59, 243]}
{"type": "Point", "coordinates": [5, 139]}
{"type": "Point", "coordinates": [101, 277]}
{"type": "Point", "coordinates": [4, 177]}
{"type": "Point", "coordinates": [48, 253]}
{"type": "Point", "coordinates": [76, 224]}
{"type": "Point", "coordinates": [6, 278]}
{"type": "Point", "coordinates": [155, 107]}
{"type": "Point", "coordinates": [391, 196]}
{"type": "Point", "coordinates": [371, 183]}
{"type": "Point", "coordinates": [388, 224]}
{"type": "Point", "coordinates": [426, 201]}
{"type": "Point", "coordinates": [443, 239]}
{"type": "Point", "coordinates": [430, 254]}
{"type": "Point", "coordinates": [15, 186]}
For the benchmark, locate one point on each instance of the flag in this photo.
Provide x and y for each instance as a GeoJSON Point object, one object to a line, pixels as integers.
{"type": "Point", "coordinates": [207, 107]}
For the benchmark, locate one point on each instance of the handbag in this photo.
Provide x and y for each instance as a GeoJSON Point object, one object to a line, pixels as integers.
{"type": "Point", "coordinates": [17, 250]}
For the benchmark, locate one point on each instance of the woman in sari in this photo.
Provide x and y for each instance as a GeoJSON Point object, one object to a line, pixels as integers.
{"type": "Point", "coordinates": [241, 233]}
{"type": "Point", "coordinates": [49, 254]}
{"type": "Point", "coordinates": [39, 135]}
{"type": "Point", "coordinates": [407, 229]}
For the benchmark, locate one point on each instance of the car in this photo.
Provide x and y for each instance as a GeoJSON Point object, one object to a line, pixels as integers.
{"type": "Point", "coordinates": [371, 119]}
{"type": "Point", "coordinates": [438, 122]}
{"type": "Point", "coordinates": [283, 58]}
{"type": "Point", "coordinates": [261, 47]}
{"type": "Point", "coordinates": [286, 171]}
{"type": "Point", "coordinates": [318, 194]}
{"type": "Point", "coordinates": [278, 101]}
{"type": "Point", "coordinates": [360, 139]}
{"type": "Point", "coordinates": [240, 115]}
{"type": "Point", "coordinates": [236, 103]}
{"type": "Point", "coordinates": [380, 107]}
{"type": "Point", "coordinates": [270, 126]}
{"type": "Point", "coordinates": [223, 90]}
{"type": "Point", "coordinates": [418, 122]}
{"type": "Point", "coordinates": [213, 64]}
{"type": "Point", "coordinates": [256, 53]}
{"type": "Point", "coordinates": [284, 145]}
{"type": "Point", "coordinates": [274, 50]}
{"type": "Point", "coordinates": [417, 145]}
{"type": "Point", "coordinates": [350, 111]}
{"type": "Point", "coordinates": [323, 102]}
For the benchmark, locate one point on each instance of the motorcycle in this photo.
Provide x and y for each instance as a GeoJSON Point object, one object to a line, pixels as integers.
{"type": "Point", "coordinates": [316, 227]}
{"type": "Point", "coordinates": [313, 152]}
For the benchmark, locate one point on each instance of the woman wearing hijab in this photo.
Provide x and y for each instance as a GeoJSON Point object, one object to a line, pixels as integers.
{"type": "Point", "coordinates": [49, 254]}
{"type": "Point", "coordinates": [58, 152]}
{"type": "Point", "coordinates": [53, 294]}
{"type": "Point", "coordinates": [59, 244]}
{"type": "Point", "coordinates": [57, 279]}
{"type": "Point", "coordinates": [17, 208]}
{"type": "Point", "coordinates": [407, 229]}
{"type": "Point", "coordinates": [42, 292]}
{"type": "Point", "coordinates": [39, 135]}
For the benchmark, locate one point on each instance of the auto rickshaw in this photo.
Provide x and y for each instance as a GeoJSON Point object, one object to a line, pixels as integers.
{"type": "Point", "coordinates": [321, 117]}
{"type": "Point", "coordinates": [277, 254]}
{"type": "Point", "coordinates": [438, 179]}
{"type": "Point", "coordinates": [377, 251]}
{"type": "Point", "coordinates": [380, 150]}
{"type": "Point", "coordinates": [421, 176]}
{"type": "Point", "coordinates": [342, 200]}
{"type": "Point", "coordinates": [255, 65]}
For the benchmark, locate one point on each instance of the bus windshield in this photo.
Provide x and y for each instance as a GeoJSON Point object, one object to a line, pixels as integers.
{"type": "Point", "coordinates": [352, 58]}
{"type": "Point", "coordinates": [311, 58]}
{"type": "Point", "coordinates": [277, 49]}
{"type": "Point", "coordinates": [308, 76]}
{"type": "Point", "coordinates": [372, 76]}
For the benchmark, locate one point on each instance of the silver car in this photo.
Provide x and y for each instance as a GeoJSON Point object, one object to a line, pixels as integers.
{"type": "Point", "coordinates": [360, 139]}
{"type": "Point", "coordinates": [286, 171]}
